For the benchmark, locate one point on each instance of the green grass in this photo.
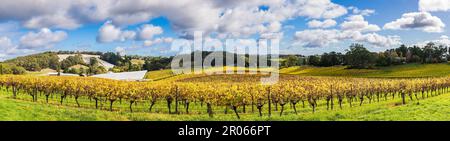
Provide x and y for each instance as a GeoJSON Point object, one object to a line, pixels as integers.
{"type": "Point", "coordinates": [159, 74]}
{"type": "Point", "coordinates": [22, 109]}
{"type": "Point", "coordinates": [408, 70]}
{"type": "Point", "coordinates": [433, 108]}
{"type": "Point", "coordinates": [400, 71]}
{"type": "Point", "coordinates": [167, 74]}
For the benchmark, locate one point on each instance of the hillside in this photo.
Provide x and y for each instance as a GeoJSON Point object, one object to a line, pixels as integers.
{"type": "Point", "coordinates": [87, 59]}
{"type": "Point", "coordinates": [36, 62]}
{"type": "Point", "coordinates": [430, 109]}
{"type": "Point", "coordinates": [408, 70]}
{"type": "Point", "coordinates": [400, 71]}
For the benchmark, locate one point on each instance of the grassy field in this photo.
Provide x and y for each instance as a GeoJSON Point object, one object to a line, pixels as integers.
{"type": "Point", "coordinates": [400, 71]}
{"type": "Point", "coordinates": [22, 109]}
{"type": "Point", "coordinates": [409, 70]}
{"type": "Point", "coordinates": [167, 73]}
{"type": "Point", "coordinates": [159, 74]}
{"type": "Point", "coordinates": [434, 108]}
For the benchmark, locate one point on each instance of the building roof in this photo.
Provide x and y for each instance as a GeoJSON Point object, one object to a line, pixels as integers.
{"type": "Point", "coordinates": [128, 76]}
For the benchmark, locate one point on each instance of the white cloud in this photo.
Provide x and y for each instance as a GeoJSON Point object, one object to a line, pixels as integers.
{"type": "Point", "coordinates": [9, 49]}
{"type": "Point", "coordinates": [358, 23]}
{"type": "Point", "coordinates": [110, 33]}
{"type": "Point", "coordinates": [127, 35]}
{"type": "Point", "coordinates": [6, 46]}
{"type": "Point", "coordinates": [323, 38]}
{"type": "Point", "coordinates": [278, 35]}
{"type": "Point", "coordinates": [9, 28]}
{"type": "Point", "coordinates": [357, 11]}
{"type": "Point", "coordinates": [56, 21]}
{"type": "Point", "coordinates": [232, 17]}
{"type": "Point", "coordinates": [320, 9]}
{"type": "Point", "coordinates": [379, 40]}
{"type": "Point", "coordinates": [45, 38]}
{"type": "Point", "coordinates": [317, 37]}
{"type": "Point", "coordinates": [434, 5]}
{"type": "Point", "coordinates": [443, 40]}
{"type": "Point", "coordinates": [148, 31]}
{"type": "Point", "coordinates": [157, 41]}
{"type": "Point", "coordinates": [321, 24]}
{"type": "Point", "coordinates": [120, 50]}
{"type": "Point", "coordinates": [417, 20]}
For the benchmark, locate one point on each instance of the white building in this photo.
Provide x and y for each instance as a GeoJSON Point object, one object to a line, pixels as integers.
{"type": "Point", "coordinates": [127, 76]}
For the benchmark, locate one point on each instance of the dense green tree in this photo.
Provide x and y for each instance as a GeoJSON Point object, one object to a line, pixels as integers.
{"type": "Point", "coordinates": [314, 60]}
{"type": "Point", "coordinates": [331, 59]}
{"type": "Point", "coordinates": [6, 68]}
{"type": "Point", "coordinates": [71, 61]}
{"type": "Point", "coordinates": [113, 58]}
{"type": "Point", "coordinates": [292, 60]}
{"type": "Point", "coordinates": [359, 57]}
{"type": "Point", "coordinates": [36, 62]}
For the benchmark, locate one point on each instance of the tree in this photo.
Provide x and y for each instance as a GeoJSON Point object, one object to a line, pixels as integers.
{"type": "Point", "coordinates": [18, 70]}
{"type": "Point", "coordinates": [359, 57]}
{"type": "Point", "coordinates": [331, 59]}
{"type": "Point", "coordinates": [402, 51]}
{"type": "Point", "coordinates": [292, 60]}
{"type": "Point", "coordinates": [1, 69]}
{"type": "Point", "coordinates": [113, 58]}
{"type": "Point", "coordinates": [11, 69]}
{"type": "Point", "coordinates": [36, 62]}
{"type": "Point", "coordinates": [71, 61]}
{"type": "Point", "coordinates": [156, 63]}
{"type": "Point", "coordinates": [314, 60]}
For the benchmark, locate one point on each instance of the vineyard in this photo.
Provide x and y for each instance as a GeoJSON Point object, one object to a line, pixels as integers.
{"type": "Point", "coordinates": [245, 95]}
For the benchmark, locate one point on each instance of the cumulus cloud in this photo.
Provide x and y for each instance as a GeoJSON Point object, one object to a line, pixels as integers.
{"type": "Point", "coordinates": [317, 38]}
{"type": "Point", "coordinates": [320, 9]}
{"type": "Point", "coordinates": [45, 38]}
{"type": "Point", "coordinates": [321, 24]}
{"type": "Point", "coordinates": [417, 20]}
{"type": "Point", "coordinates": [148, 31]}
{"type": "Point", "coordinates": [64, 14]}
{"type": "Point", "coordinates": [10, 49]}
{"type": "Point", "coordinates": [120, 50]}
{"type": "Point", "coordinates": [6, 46]}
{"type": "Point", "coordinates": [358, 23]}
{"type": "Point", "coordinates": [357, 11]}
{"type": "Point", "coordinates": [56, 21]}
{"type": "Point", "coordinates": [323, 38]}
{"type": "Point", "coordinates": [434, 5]}
{"type": "Point", "coordinates": [157, 41]}
{"type": "Point", "coordinates": [110, 33]}
{"type": "Point", "coordinates": [443, 40]}
{"type": "Point", "coordinates": [127, 35]}
{"type": "Point", "coordinates": [278, 35]}
{"type": "Point", "coordinates": [379, 40]}
{"type": "Point", "coordinates": [233, 17]}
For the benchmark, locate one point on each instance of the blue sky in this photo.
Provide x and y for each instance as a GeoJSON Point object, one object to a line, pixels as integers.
{"type": "Point", "coordinates": [148, 27]}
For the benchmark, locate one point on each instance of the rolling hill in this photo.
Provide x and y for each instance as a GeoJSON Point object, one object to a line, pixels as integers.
{"type": "Point", "coordinates": [87, 59]}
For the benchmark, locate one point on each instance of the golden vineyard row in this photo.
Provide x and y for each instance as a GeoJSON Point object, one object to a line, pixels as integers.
{"type": "Point", "coordinates": [232, 95]}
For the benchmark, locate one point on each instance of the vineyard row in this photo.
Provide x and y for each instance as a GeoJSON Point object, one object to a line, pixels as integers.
{"type": "Point", "coordinates": [309, 90]}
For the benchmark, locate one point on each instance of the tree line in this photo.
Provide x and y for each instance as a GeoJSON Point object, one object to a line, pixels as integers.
{"type": "Point", "coordinates": [358, 57]}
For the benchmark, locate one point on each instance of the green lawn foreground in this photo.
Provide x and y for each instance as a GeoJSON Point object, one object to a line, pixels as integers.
{"type": "Point", "coordinates": [399, 71]}
{"type": "Point", "coordinates": [430, 109]}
